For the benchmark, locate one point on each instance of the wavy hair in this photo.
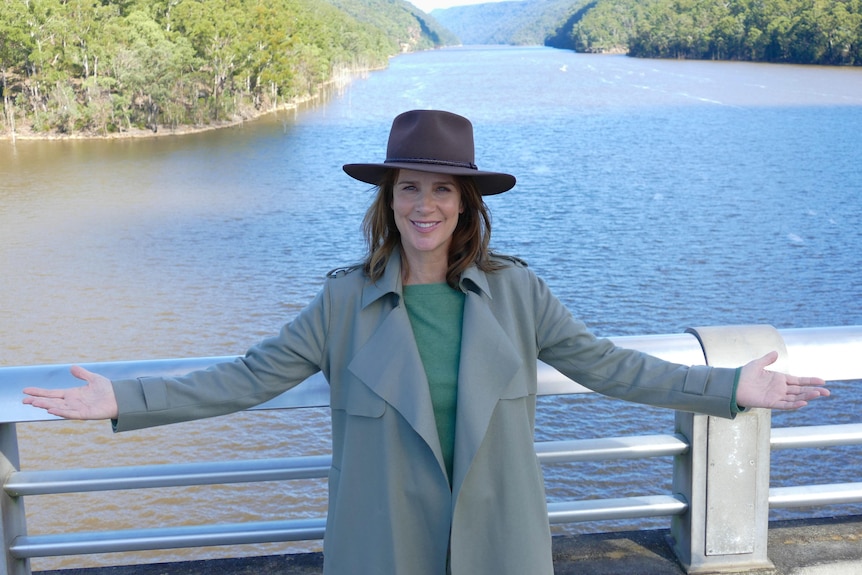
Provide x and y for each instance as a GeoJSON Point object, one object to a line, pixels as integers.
{"type": "Point", "coordinates": [470, 239]}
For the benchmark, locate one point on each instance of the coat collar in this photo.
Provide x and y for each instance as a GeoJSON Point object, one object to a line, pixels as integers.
{"type": "Point", "coordinates": [473, 279]}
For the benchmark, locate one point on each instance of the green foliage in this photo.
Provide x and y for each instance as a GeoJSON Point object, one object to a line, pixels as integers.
{"type": "Point", "coordinates": [797, 31]}
{"type": "Point", "coordinates": [409, 27]}
{"type": "Point", "coordinates": [790, 31]}
{"type": "Point", "coordinates": [518, 22]}
{"type": "Point", "coordinates": [105, 66]}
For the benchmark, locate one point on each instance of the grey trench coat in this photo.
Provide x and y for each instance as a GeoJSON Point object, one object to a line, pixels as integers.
{"type": "Point", "coordinates": [391, 507]}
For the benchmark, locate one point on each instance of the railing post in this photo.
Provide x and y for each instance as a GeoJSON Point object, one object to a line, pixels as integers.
{"type": "Point", "coordinates": [725, 474]}
{"type": "Point", "coordinates": [13, 521]}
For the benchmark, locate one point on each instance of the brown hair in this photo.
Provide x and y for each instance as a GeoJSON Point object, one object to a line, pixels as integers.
{"type": "Point", "coordinates": [470, 239]}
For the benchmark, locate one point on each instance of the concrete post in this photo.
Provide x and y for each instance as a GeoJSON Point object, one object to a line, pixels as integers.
{"type": "Point", "coordinates": [13, 521]}
{"type": "Point", "coordinates": [725, 475]}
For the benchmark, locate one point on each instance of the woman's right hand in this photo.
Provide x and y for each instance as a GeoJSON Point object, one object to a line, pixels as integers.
{"type": "Point", "coordinates": [95, 400]}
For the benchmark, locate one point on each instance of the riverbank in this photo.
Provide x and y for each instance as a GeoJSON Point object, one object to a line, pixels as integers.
{"type": "Point", "coordinates": [24, 130]}
{"type": "Point", "coordinates": [800, 547]}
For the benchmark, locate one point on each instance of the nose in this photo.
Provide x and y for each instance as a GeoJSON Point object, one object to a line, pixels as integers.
{"type": "Point", "coordinates": [425, 201]}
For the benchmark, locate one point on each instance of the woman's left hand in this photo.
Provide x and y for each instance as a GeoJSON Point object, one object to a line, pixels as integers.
{"type": "Point", "coordinates": [773, 390]}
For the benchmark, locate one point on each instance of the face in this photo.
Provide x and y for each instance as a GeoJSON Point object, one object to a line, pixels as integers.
{"type": "Point", "coordinates": [426, 208]}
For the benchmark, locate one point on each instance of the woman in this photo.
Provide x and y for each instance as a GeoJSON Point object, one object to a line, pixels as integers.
{"type": "Point", "coordinates": [430, 350]}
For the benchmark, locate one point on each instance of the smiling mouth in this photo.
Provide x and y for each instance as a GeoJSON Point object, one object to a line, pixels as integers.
{"type": "Point", "coordinates": [424, 225]}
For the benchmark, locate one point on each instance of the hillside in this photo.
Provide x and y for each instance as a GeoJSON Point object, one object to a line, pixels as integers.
{"type": "Point", "coordinates": [826, 32]}
{"type": "Point", "coordinates": [107, 68]}
{"type": "Point", "coordinates": [517, 22]}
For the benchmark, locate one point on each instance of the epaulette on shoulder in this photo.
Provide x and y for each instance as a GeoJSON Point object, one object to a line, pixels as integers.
{"type": "Point", "coordinates": [343, 271]}
{"type": "Point", "coordinates": [512, 259]}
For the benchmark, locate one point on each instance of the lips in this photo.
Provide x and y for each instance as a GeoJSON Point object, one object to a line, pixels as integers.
{"type": "Point", "coordinates": [424, 225]}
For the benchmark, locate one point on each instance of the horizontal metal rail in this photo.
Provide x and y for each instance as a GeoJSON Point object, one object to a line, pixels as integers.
{"type": "Point", "coordinates": [29, 546]}
{"type": "Point", "coordinates": [29, 483]}
{"type": "Point", "coordinates": [313, 529]}
{"type": "Point", "coordinates": [829, 352]}
{"type": "Point", "coordinates": [816, 436]}
{"type": "Point", "coordinates": [620, 508]}
{"type": "Point", "coordinates": [299, 529]}
{"type": "Point", "coordinates": [808, 495]}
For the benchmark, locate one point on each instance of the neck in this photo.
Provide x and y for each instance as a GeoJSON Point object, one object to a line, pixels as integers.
{"type": "Point", "coordinates": [425, 270]}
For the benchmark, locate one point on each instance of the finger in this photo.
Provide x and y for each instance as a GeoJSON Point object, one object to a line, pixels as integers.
{"type": "Point", "coordinates": [805, 381]}
{"type": "Point", "coordinates": [812, 381]}
{"type": "Point", "coordinates": [34, 392]}
{"type": "Point", "coordinates": [47, 404]}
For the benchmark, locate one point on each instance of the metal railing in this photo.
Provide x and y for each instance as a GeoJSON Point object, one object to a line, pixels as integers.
{"type": "Point", "coordinates": [829, 352]}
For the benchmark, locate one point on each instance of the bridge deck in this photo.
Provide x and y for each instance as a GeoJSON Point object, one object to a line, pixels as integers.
{"type": "Point", "coordinates": [799, 547]}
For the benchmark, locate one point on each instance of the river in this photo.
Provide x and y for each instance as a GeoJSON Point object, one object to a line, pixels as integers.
{"type": "Point", "coordinates": [652, 196]}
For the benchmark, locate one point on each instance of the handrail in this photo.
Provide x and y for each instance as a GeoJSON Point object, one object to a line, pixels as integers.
{"type": "Point", "coordinates": [828, 352]}
{"type": "Point", "coordinates": [29, 546]}
{"type": "Point", "coordinates": [29, 483]}
{"type": "Point", "coordinates": [50, 482]}
{"type": "Point", "coordinates": [816, 436]}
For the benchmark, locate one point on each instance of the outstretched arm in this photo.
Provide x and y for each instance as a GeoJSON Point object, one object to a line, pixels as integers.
{"type": "Point", "coordinates": [761, 388]}
{"type": "Point", "coordinates": [95, 400]}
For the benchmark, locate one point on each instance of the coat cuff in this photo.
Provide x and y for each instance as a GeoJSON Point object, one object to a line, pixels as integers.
{"type": "Point", "coordinates": [132, 399]}
{"type": "Point", "coordinates": [735, 407]}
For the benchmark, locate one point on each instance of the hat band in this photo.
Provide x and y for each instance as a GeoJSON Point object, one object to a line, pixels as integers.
{"type": "Point", "coordinates": [468, 165]}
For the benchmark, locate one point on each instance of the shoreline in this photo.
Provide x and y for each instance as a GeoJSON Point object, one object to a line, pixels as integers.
{"type": "Point", "coordinates": [336, 83]}
{"type": "Point", "coordinates": [163, 131]}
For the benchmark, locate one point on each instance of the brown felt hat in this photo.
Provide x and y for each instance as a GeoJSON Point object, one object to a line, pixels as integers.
{"type": "Point", "coordinates": [432, 141]}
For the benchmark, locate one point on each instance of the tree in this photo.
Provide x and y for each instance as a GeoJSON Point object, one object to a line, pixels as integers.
{"type": "Point", "coordinates": [15, 44]}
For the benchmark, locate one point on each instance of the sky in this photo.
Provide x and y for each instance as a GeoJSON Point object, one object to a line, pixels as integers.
{"type": "Point", "coordinates": [428, 5]}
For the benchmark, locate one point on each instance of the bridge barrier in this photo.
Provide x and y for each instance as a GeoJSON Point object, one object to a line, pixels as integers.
{"type": "Point", "coordinates": [718, 507]}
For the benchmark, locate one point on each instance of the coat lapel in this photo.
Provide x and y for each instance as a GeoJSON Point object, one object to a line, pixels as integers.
{"type": "Point", "coordinates": [489, 362]}
{"type": "Point", "coordinates": [390, 365]}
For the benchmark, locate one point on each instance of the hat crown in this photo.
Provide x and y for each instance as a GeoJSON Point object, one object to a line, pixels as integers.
{"type": "Point", "coordinates": [432, 137]}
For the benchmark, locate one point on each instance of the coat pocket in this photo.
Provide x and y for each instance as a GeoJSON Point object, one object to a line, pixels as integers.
{"type": "Point", "coordinates": [519, 386]}
{"type": "Point", "coordinates": [356, 398]}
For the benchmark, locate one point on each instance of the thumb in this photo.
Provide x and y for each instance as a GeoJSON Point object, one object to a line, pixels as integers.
{"type": "Point", "coordinates": [766, 360]}
{"type": "Point", "coordinates": [82, 373]}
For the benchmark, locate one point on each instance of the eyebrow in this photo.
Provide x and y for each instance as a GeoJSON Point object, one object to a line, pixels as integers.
{"type": "Point", "coordinates": [437, 182]}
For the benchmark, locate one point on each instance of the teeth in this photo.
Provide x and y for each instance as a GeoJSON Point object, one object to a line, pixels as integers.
{"type": "Point", "coordinates": [424, 224]}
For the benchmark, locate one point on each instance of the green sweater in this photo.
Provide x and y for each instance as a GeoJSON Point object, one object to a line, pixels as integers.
{"type": "Point", "coordinates": [436, 313]}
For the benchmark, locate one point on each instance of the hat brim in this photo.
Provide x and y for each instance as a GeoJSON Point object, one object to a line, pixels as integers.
{"type": "Point", "coordinates": [489, 183]}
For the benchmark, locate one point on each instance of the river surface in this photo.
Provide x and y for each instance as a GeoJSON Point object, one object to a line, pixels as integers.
{"type": "Point", "coordinates": [652, 196]}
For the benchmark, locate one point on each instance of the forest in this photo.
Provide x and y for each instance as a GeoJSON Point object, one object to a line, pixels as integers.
{"type": "Point", "coordinates": [827, 32]}
{"type": "Point", "coordinates": [107, 67]}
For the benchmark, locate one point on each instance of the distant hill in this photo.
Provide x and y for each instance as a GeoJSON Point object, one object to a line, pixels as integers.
{"type": "Point", "coordinates": [517, 22]}
{"type": "Point", "coordinates": [412, 28]}
{"type": "Point", "coordinates": [792, 31]}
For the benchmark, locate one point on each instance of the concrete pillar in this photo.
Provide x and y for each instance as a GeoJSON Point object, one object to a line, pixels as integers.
{"type": "Point", "coordinates": [13, 521]}
{"type": "Point", "coordinates": [725, 475]}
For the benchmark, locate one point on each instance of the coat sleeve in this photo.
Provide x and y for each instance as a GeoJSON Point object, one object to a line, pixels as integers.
{"type": "Point", "coordinates": [564, 343]}
{"type": "Point", "coordinates": [267, 369]}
